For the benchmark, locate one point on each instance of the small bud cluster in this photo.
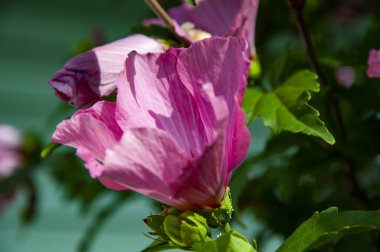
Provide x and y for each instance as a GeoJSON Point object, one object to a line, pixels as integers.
{"type": "Point", "coordinates": [183, 229]}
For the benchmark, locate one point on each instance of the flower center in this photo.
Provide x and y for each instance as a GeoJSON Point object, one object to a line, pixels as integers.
{"type": "Point", "coordinates": [195, 34]}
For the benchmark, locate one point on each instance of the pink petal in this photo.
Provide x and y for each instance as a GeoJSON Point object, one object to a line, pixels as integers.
{"type": "Point", "coordinates": [93, 130]}
{"type": "Point", "coordinates": [145, 160]}
{"type": "Point", "coordinates": [345, 76]}
{"type": "Point", "coordinates": [238, 146]}
{"type": "Point", "coordinates": [222, 63]}
{"type": "Point", "coordinates": [10, 137]}
{"type": "Point", "coordinates": [150, 162]}
{"type": "Point", "coordinates": [10, 160]}
{"type": "Point", "coordinates": [96, 169]}
{"type": "Point", "coordinates": [150, 94]}
{"type": "Point", "coordinates": [221, 17]}
{"type": "Point", "coordinates": [202, 183]}
{"type": "Point", "coordinates": [10, 155]}
{"type": "Point", "coordinates": [91, 75]}
{"type": "Point", "coordinates": [374, 64]}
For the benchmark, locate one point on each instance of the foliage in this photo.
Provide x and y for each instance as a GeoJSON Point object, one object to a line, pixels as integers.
{"type": "Point", "coordinates": [295, 175]}
{"type": "Point", "coordinates": [286, 107]}
{"type": "Point", "coordinates": [329, 225]}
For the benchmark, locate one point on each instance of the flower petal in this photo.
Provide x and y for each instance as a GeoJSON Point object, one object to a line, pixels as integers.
{"type": "Point", "coordinates": [91, 75]}
{"type": "Point", "coordinates": [150, 94]}
{"type": "Point", "coordinates": [239, 141]}
{"type": "Point", "coordinates": [10, 160]}
{"type": "Point", "coordinates": [10, 137]}
{"type": "Point", "coordinates": [202, 183]}
{"type": "Point", "coordinates": [145, 160]}
{"type": "Point", "coordinates": [374, 64]}
{"type": "Point", "coordinates": [221, 62]}
{"type": "Point", "coordinates": [221, 17]}
{"type": "Point", "coordinates": [93, 130]}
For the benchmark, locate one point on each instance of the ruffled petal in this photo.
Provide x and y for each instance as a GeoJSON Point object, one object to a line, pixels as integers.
{"type": "Point", "coordinates": [150, 94]}
{"type": "Point", "coordinates": [91, 75]}
{"type": "Point", "coordinates": [93, 130]}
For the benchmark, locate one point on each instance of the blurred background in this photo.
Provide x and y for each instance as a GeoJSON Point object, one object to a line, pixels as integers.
{"type": "Point", "coordinates": [286, 177]}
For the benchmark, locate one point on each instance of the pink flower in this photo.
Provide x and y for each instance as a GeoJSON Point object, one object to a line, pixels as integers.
{"type": "Point", "coordinates": [176, 131]}
{"type": "Point", "coordinates": [374, 64]}
{"type": "Point", "coordinates": [10, 157]}
{"type": "Point", "coordinates": [345, 76]}
{"type": "Point", "coordinates": [220, 18]}
{"type": "Point", "coordinates": [91, 76]}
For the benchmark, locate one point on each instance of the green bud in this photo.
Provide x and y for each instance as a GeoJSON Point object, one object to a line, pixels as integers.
{"type": "Point", "coordinates": [194, 228]}
{"type": "Point", "coordinates": [186, 229]}
{"type": "Point", "coordinates": [220, 216]}
{"type": "Point", "coordinates": [155, 222]}
{"type": "Point", "coordinates": [255, 68]}
{"type": "Point", "coordinates": [173, 230]}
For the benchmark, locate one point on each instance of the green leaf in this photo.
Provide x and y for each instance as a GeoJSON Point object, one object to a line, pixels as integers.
{"type": "Point", "coordinates": [251, 97]}
{"type": "Point", "coordinates": [286, 107]}
{"type": "Point", "coordinates": [193, 2]}
{"type": "Point", "coordinates": [329, 225]}
{"type": "Point", "coordinates": [230, 242]}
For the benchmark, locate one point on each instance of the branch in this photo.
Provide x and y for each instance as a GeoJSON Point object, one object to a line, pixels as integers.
{"type": "Point", "coordinates": [298, 9]}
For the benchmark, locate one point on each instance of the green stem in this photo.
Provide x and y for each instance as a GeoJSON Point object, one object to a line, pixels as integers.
{"type": "Point", "coordinates": [227, 228]}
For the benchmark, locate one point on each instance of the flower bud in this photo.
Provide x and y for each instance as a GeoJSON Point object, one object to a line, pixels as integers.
{"type": "Point", "coordinates": [155, 222]}
{"type": "Point", "coordinates": [186, 229]}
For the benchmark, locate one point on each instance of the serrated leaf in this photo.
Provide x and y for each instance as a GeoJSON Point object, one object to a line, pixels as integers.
{"type": "Point", "coordinates": [329, 225]}
{"type": "Point", "coordinates": [193, 2]}
{"type": "Point", "coordinates": [286, 108]}
{"type": "Point", "coordinates": [230, 242]}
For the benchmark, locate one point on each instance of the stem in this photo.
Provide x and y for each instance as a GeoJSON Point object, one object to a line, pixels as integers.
{"type": "Point", "coordinates": [227, 228]}
{"type": "Point", "coordinates": [29, 210]}
{"type": "Point", "coordinates": [356, 190]}
{"type": "Point", "coordinates": [298, 7]}
{"type": "Point", "coordinates": [161, 13]}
